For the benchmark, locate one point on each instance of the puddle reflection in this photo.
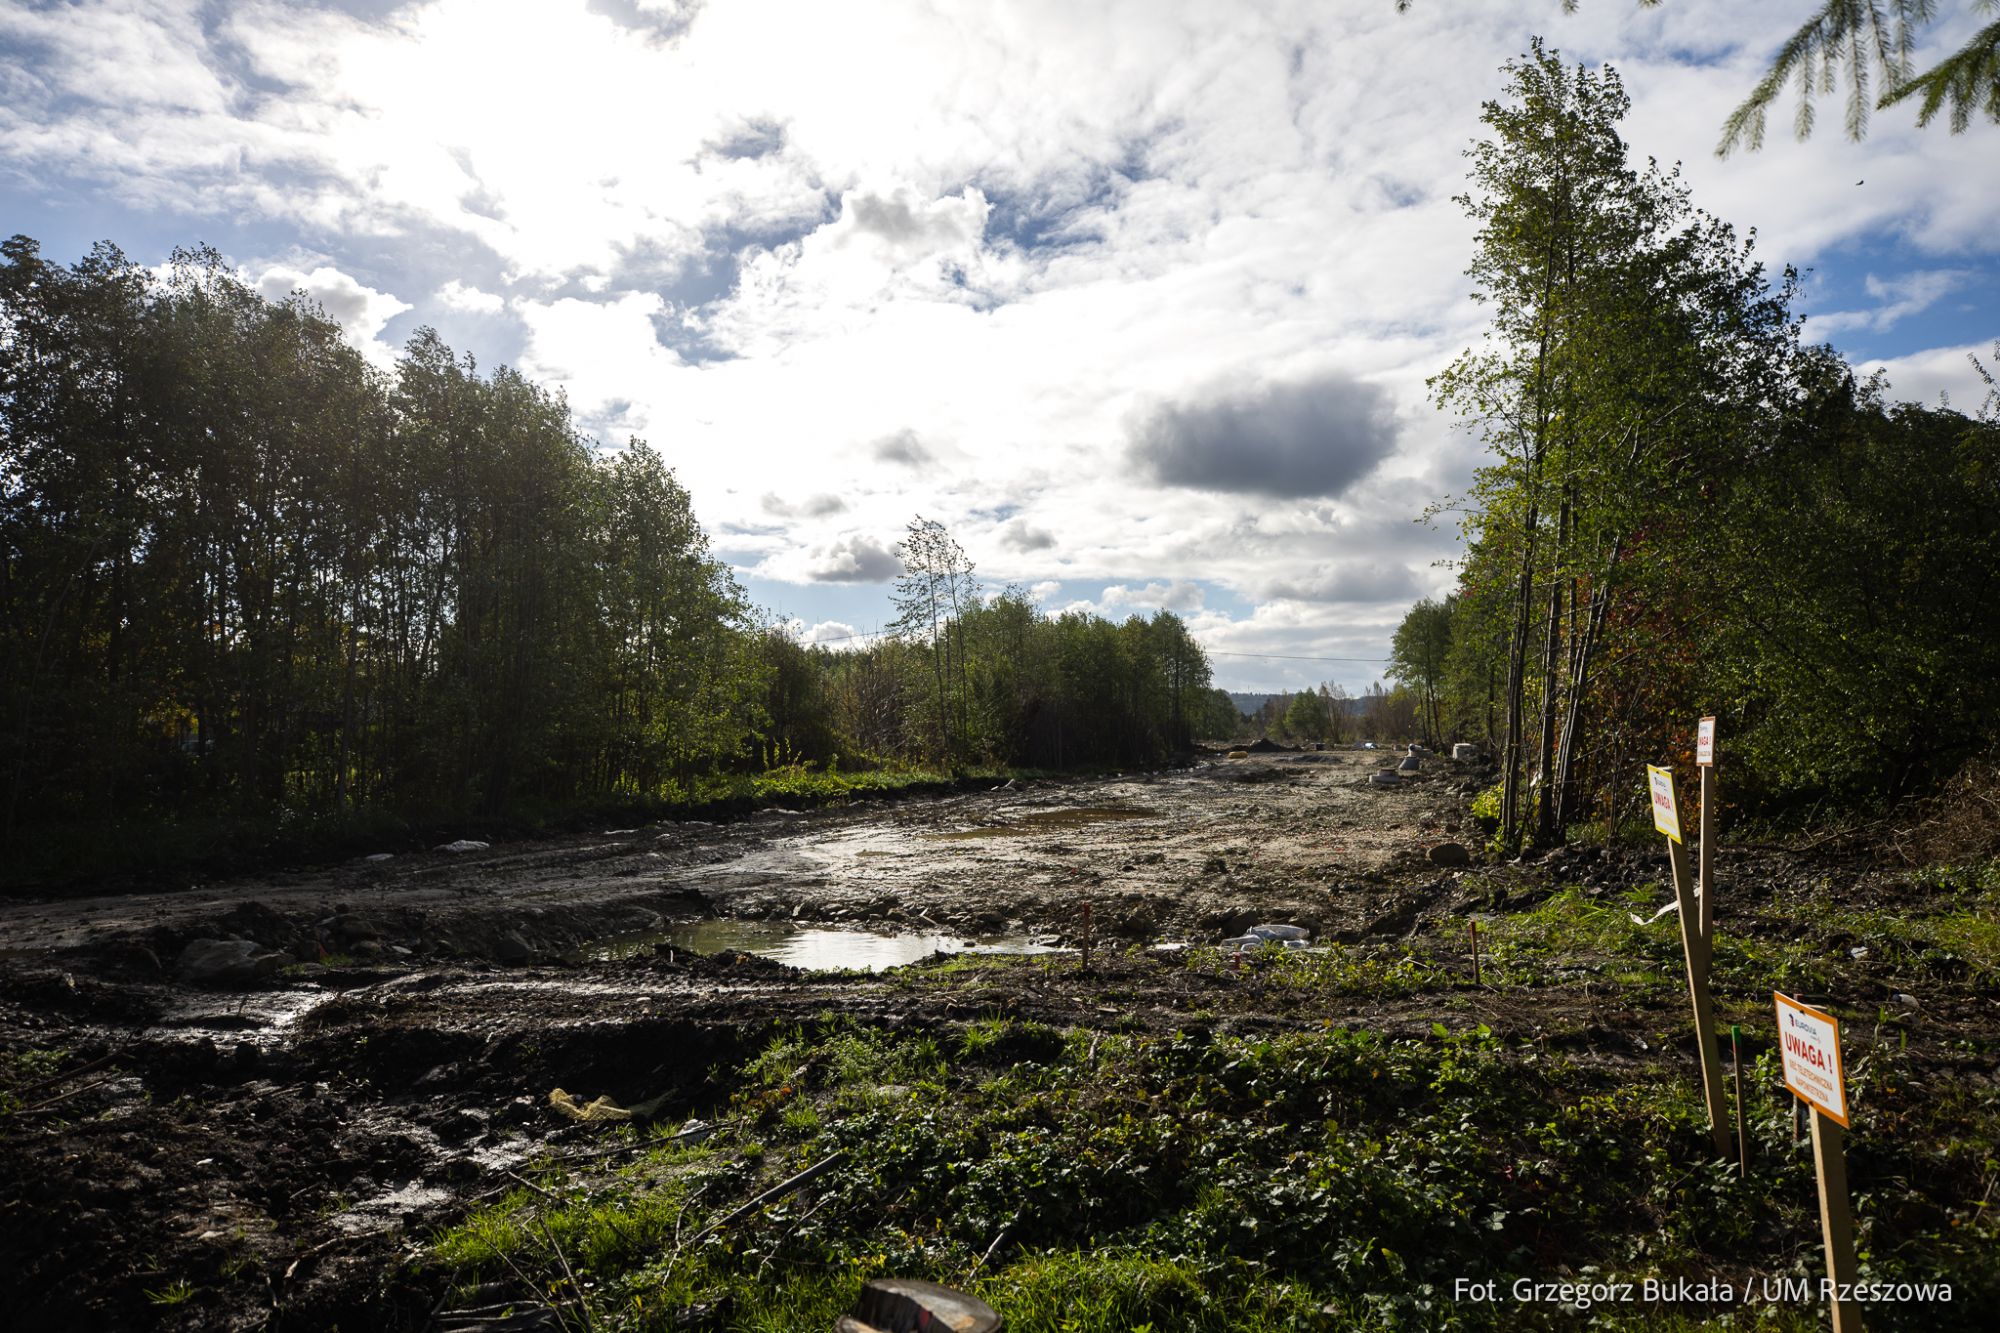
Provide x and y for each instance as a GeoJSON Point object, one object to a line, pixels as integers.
{"type": "Point", "coordinates": [809, 947]}
{"type": "Point", "coordinates": [1044, 821]}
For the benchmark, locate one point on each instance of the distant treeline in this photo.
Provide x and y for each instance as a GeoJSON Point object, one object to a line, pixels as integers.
{"type": "Point", "coordinates": [245, 575]}
{"type": "Point", "coordinates": [1688, 510]}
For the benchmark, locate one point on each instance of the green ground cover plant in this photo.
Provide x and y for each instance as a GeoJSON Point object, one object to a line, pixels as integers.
{"type": "Point", "coordinates": [1329, 1177]}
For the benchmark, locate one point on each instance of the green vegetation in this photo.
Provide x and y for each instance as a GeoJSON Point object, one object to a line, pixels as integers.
{"type": "Point", "coordinates": [1874, 44]}
{"type": "Point", "coordinates": [1326, 1178]}
{"type": "Point", "coordinates": [178, 1292]}
{"type": "Point", "coordinates": [1688, 511]}
{"type": "Point", "coordinates": [260, 598]}
{"type": "Point", "coordinates": [976, 679]}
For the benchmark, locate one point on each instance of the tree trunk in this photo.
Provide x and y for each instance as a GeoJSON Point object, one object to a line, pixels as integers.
{"type": "Point", "coordinates": [1546, 828]}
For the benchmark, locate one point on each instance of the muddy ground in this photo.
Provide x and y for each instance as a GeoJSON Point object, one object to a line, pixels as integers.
{"type": "Point", "coordinates": [272, 1148]}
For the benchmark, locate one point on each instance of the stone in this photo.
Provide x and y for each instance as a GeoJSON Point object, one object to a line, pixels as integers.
{"type": "Point", "coordinates": [1464, 751]}
{"type": "Point", "coordinates": [230, 962]}
{"type": "Point", "coordinates": [463, 845]}
{"type": "Point", "coordinates": [512, 950]}
{"type": "Point", "coordinates": [1450, 855]}
{"type": "Point", "coordinates": [907, 1305]}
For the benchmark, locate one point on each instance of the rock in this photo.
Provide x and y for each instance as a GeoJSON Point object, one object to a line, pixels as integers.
{"type": "Point", "coordinates": [1410, 764]}
{"type": "Point", "coordinates": [380, 856]}
{"type": "Point", "coordinates": [512, 950]}
{"type": "Point", "coordinates": [463, 845]}
{"type": "Point", "coordinates": [1450, 855]}
{"type": "Point", "coordinates": [897, 1304]}
{"type": "Point", "coordinates": [1384, 780]}
{"type": "Point", "coordinates": [350, 928]}
{"type": "Point", "coordinates": [1464, 751]}
{"type": "Point", "coordinates": [226, 962]}
{"type": "Point", "coordinates": [1275, 932]}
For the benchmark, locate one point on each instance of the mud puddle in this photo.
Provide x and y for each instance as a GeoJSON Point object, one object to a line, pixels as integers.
{"type": "Point", "coordinates": [811, 948]}
{"type": "Point", "coordinates": [1045, 821]}
{"type": "Point", "coordinates": [264, 1018]}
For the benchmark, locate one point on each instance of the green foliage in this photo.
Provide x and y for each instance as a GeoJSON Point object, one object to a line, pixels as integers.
{"type": "Point", "coordinates": [1334, 1177]}
{"type": "Point", "coordinates": [256, 595]}
{"type": "Point", "coordinates": [178, 1292]}
{"type": "Point", "coordinates": [1877, 40]}
{"type": "Point", "coordinates": [1418, 655]}
{"type": "Point", "coordinates": [248, 577]}
{"type": "Point", "coordinates": [1308, 717]}
{"type": "Point", "coordinates": [1862, 658]}
{"type": "Point", "coordinates": [1687, 512]}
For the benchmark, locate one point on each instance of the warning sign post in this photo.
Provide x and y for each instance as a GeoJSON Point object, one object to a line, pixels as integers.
{"type": "Point", "coordinates": [1704, 759]}
{"type": "Point", "coordinates": [1809, 1044]}
{"type": "Point", "coordinates": [1695, 947]}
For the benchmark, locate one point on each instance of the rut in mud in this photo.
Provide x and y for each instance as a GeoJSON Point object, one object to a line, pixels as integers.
{"type": "Point", "coordinates": [277, 1152]}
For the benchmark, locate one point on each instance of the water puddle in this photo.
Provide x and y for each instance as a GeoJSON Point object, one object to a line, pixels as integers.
{"type": "Point", "coordinates": [389, 1207]}
{"type": "Point", "coordinates": [262, 1018]}
{"type": "Point", "coordinates": [1046, 821]}
{"type": "Point", "coordinates": [810, 947]}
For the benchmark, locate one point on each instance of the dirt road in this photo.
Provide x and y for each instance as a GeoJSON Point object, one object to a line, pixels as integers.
{"type": "Point", "coordinates": [269, 1145]}
{"type": "Point", "coordinates": [375, 1044]}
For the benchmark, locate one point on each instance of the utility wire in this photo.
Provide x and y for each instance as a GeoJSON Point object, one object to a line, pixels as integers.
{"type": "Point", "coordinates": [1212, 652]}
{"type": "Point", "coordinates": [1288, 657]}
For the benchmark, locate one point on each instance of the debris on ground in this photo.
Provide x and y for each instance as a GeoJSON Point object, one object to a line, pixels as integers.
{"type": "Point", "coordinates": [602, 1111]}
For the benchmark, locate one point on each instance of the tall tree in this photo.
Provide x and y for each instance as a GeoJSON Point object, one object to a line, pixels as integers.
{"type": "Point", "coordinates": [1558, 211]}
{"type": "Point", "coordinates": [1418, 653]}
{"type": "Point", "coordinates": [932, 597]}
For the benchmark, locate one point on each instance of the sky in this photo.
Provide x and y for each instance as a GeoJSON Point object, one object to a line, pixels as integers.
{"type": "Point", "coordinates": [1139, 298]}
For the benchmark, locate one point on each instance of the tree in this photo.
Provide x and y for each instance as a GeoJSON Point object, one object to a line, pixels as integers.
{"type": "Point", "coordinates": [1871, 39]}
{"type": "Point", "coordinates": [1308, 718]}
{"type": "Point", "coordinates": [1874, 36]}
{"type": "Point", "coordinates": [932, 597]}
{"type": "Point", "coordinates": [1417, 656]}
{"type": "Point", "coordinates": [1636, 349]}
{"type": "Point", "coordinates": [1559, 214]}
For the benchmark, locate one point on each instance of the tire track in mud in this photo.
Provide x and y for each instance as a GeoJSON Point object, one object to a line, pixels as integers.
{"type": "Point", "coordinates": [283, 1144]}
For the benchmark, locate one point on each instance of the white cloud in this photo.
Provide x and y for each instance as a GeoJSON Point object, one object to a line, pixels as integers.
{"type": "Point", "coordinates": [1177, 595]}
{"type": "Point", "coordinates": [829, 632]}
{"type": "Point", "coordinates": [456, 295]}
{"type": "Point", "coordinates": [853, 557]}
{"type": "Point", "coordinates": [1898, 298]}
{"type": "Point", "coordinates": [359, 309]}
{"type": "Point", "coordinates": [1921, 377]}
{"type": "Point", "coordinates": [940, 259]}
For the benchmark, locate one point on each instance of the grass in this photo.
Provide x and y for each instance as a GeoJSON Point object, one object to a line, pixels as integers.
{"type": "Point", "coordinates": [1319, 1177]}
{"type": "Point", "coordinates": [173, 846]}
{"type": "Point", "coordinates": [1327, 1179]}
{"type": "Point", "coordinates": [178, 1292]}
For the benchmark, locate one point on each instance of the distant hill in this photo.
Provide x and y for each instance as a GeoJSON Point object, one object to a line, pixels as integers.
{"type": "Point", "coordinates": [1247, 704]}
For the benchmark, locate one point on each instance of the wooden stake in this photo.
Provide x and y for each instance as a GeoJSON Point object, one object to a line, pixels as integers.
{"type": "Point", "coordinates": [1835, 1223]}
{"type": "Point", "coordinates": [1086, 934]}
{"type": "Point", "coordinates": [1472, 929]}
{"type": "Point", "coordinates": [1695, 946]}
{"type": "Point", "coordinates": [1742, 1140]}
{"type": "Point", "coordinates": [1706, 868]}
